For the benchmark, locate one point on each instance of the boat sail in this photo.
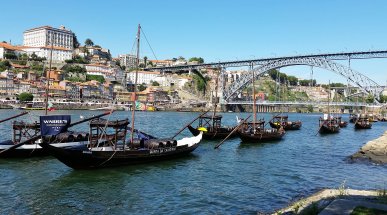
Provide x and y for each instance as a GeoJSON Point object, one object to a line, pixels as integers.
{"type": "Point", "coordinates": [109, 145]}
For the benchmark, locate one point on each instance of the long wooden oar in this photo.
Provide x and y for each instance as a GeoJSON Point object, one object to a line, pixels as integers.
{"type": "Point", "coordinates": [188, 124]}
{"type": "Point", "coordinates": [33, 139]}
{"type": "Point", "coordinates": [233, 131]}
{"type": "Point", "coordinates": [13, 117]}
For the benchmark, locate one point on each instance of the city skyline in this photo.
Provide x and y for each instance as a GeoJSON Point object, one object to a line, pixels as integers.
{"type": "Point", "coordinates": [218, 30]}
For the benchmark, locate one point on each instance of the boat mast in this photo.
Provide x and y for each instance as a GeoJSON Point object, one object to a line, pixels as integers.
{"type": "Point", "coordinates": [329, 98]}
{"type": "Point", "coordinates": [254, 109]}
{"type": "Point", "coordinates": [135, 84]}
{"type": "Point", "coordinates": [216, 96]}
{"type": "Point", "coordinates": [48, 73]}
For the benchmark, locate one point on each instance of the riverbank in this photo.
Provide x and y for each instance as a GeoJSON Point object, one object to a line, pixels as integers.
{"type": "Point", "coordinates": [374, 151]}
{"type": "Point", "coordinates": [337, 201]}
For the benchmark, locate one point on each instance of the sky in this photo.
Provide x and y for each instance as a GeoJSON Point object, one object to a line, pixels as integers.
{"type": "Point", "coordinates": [217, 30]}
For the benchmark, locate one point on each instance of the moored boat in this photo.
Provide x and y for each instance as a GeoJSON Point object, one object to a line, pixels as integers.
{"type": "Point", "coordinates": [109, 150]}
{"type": "Point", "coordinates": [328, 124]}
{"type": "Point", "coordinates": [282, 121]}
{"type": "Point", "coordinates": [251, 132]}
{"type": "Point", "coordinates": [215, 129]}
{"type": "Point", "coordinates": [363, 122]}
{"type": "Point", "coordinates": [341, 122]}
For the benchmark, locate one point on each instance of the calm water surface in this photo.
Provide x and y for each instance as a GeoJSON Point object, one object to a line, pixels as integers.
{"type": "Point", "coordinates": [236, 178]}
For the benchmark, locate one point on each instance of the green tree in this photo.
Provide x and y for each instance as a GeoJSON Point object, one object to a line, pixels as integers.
{"type": "Point", "coordinates": [155, 83]}
{"type": "Point", "coordinates": [25, 97]}
{"type": "Point", "coordinates": [74, 69]}
{"type": "Point", "coordinates": [197, 59]}
{"type": "Point", "coordinates": [10, 55]}
{"type": "Point", "coordinates": [76, 43]}
{"type": "Point", "coordinates": [4, 65]}
{"type": "Point", "coordinates": [98, 78]}
{"type": "Point", "coordinates": [370, 99]}
{"type": "Point", "coordinates": [141, 87]}
{"type": "Point", "coordinates": [89, 42]}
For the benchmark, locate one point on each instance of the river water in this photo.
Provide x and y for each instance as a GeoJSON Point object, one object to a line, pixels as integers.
{"type": "Point", "coordinates": [235, 179]}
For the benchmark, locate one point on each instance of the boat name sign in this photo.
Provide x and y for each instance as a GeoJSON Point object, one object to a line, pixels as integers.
{"type": "Point", "coordinates": [161, 150]}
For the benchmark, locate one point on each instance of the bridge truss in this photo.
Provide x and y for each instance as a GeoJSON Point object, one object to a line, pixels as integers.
{"type": "Point", "coordinates": [363, 82]}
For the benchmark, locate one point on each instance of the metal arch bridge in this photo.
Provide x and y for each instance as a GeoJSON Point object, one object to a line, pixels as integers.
{"type": "Point", "coordinates": [363, 82]}
{"type": "Point", "coordinates": [261, 61]}
{"type": "Point", "coordinates": [304, 103]}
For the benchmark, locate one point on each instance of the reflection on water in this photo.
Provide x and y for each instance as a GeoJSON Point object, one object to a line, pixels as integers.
{"type": "Point", "coordinates": [236, 178]}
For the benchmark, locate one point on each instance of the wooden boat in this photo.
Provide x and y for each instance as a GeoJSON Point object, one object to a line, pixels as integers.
{"type": "Point", "coordinates": [328, 124]}
{"type": "Point", "coordinates": [353, 117]}
{"type": "Point", "coordinates": [214, 127]}
{"type": "Point", "coordinates": [108, 145]}
{"type": "Point", "coordinates": [108, 150]}
{"type": "Point", "coordinates": [282, 121]}
{"type": "Point", "coordinates": [342, 123]}
{"type": "Point", "coordinates": [256, 133]}
{"type": "Point", "coordinates": [363, 122]}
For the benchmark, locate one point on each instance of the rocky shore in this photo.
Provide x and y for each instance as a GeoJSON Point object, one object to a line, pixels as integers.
{"type": "Point", "coordinates": [374, 151]}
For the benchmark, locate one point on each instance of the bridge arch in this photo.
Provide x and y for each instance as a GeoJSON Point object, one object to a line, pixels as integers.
{"type": "Point", "coordinates": [363, 82]}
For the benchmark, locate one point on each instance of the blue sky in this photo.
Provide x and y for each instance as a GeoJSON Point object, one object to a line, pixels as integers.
{"type": "Point", "coordinates": [217, 30]}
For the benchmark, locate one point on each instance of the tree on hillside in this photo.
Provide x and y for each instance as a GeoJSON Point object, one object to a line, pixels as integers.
{"type": "Point", "coordinates": [76, 43]}
{"type": "Point", "coordinates": [25, 97]}
{"type": "Point", "coordinates": [197, 59]}
{"type": "Point", "coordinates": [74, 69]}
{"type": "Point", "coordinates": [4, 65]}
{"type": "Point", "coordinates": [89, 42]}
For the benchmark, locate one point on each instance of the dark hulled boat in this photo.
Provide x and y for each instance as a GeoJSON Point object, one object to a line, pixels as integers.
{"type": "Point", "coordinates": [109, 150]}
{"type": "Point", "coordinates": [256, 132]}
{"type": "Point", "coordinates": [353, 118]}
{"type": "Point", "coordinates": [282, 121]}
{"type": "Point", "coordinates": [342, 123]}
{"type": "Point", "coordinates": [214, 127]}
{"type": "Point", "coordinates": [328, 125]}
{"type": "Point", "coordinates": [363, 122]}
{"type": "Point", "coordinates": [109, 145]}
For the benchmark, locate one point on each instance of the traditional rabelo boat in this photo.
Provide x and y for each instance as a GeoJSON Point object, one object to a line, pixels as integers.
{"type": "Point", "coordinates": [104, 149]}
{"type": "Point", "coordinates": [213, 123]}
{"type": "Point", "coordinates": [109, 145]}
{"type": "Point", "coordinates": [353, 117]}
{"type": "Point", "coordinates": [363, 122]}
{"type": "Point", "coordinates": [255, 132]}
{"type": "Point", "coordinates": [282, 121]}
{"type": "Point", "coordinates": [341, 122]}
{"type": "Point", "coordinates": [214, 127]}
{"type": "Point", "coordinates": [328, 124]}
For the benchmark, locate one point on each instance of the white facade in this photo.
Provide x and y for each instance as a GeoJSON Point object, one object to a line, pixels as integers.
{"type": "Point", "coordinates": [109, 73]}
{"type": "Point", "coordinates": [127, 60]}
{"type": "Point", "coordinates": [142, 77]}
{"type": "Point", "coordinates": [42, 36]}
{"type": "Point", "coordinates": [2, 52]}
{"type": "Point", "coordinates": [58, 54]}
